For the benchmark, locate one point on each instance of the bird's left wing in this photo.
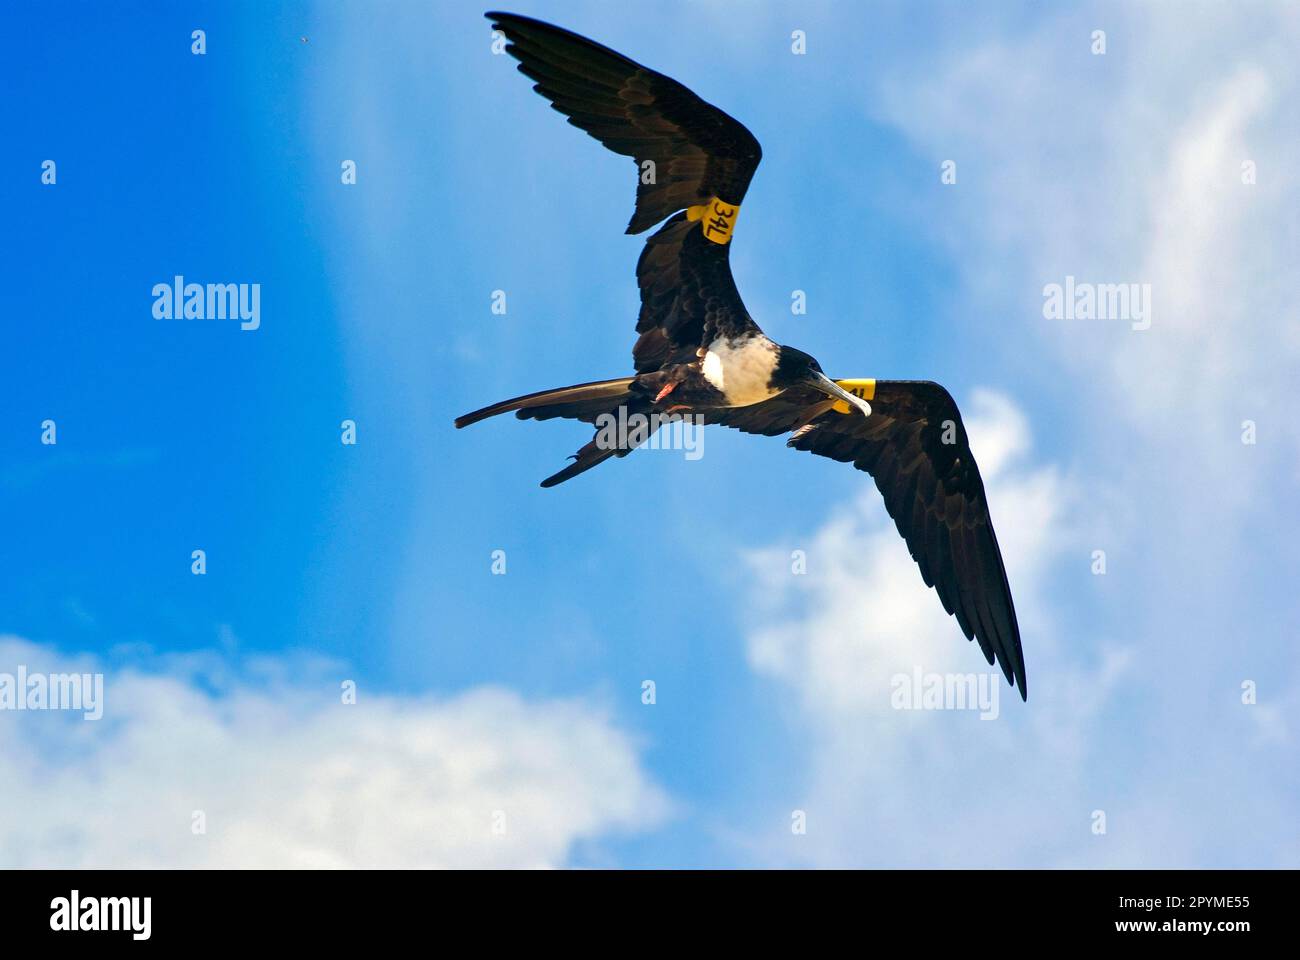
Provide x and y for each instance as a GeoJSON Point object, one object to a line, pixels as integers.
{"type": "Point", "coordinates": [687, 151]}
{"type": "Point", "coordinates": [915, 447]}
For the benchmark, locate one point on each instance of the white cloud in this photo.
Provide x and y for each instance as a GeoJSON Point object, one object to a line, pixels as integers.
{"type": "Point", "coordinates": [287, 776]}
{"type": "Point", "coordinates": [1124, 168]}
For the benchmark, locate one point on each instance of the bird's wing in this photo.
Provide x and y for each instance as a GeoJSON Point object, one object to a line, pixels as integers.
{"type": "Point", "coordinates": [693, 164]}
{"type": "Point", "coordinates": [915, 446]}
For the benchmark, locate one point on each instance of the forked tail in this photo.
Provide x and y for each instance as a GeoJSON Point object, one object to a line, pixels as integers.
{"type": "Point", "coordinates": [584, 401]}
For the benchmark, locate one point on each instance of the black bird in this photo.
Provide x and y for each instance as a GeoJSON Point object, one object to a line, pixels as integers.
{"type": "Point", "coordinates": [700, 352]}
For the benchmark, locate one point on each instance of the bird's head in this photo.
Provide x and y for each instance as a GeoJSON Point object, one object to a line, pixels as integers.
{"type": "Point", "coordinates": [796, 368]}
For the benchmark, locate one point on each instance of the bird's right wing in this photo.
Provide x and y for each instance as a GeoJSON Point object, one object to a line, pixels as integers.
{"type": "Point", "coordinates": [693, 163]}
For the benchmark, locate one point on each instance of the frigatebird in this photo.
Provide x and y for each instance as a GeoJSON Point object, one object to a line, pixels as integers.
{"type": "Point", "coordinates": [700, 351]}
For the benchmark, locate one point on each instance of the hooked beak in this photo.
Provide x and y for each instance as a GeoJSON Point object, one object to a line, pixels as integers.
{"type": "Point", "coordinates": [832, 389]}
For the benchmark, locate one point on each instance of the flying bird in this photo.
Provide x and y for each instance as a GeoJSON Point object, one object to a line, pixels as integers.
{"type": "Point", "coordinates": [699, 352]}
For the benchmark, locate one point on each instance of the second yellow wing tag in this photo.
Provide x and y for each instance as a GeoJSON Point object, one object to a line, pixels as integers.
{"type": "Point", "coordinates": [719, 219]}
{"type": "Point", "coordinates": [866, 389]}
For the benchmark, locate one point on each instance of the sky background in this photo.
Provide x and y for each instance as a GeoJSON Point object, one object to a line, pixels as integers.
{"type": "Point", "coordinates": [521, 694]}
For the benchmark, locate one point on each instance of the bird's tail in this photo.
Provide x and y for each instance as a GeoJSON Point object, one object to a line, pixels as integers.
{"type": "Point", "coordinates": [584, 401]}
{"type": "Point", "coordinates": [587, 402]}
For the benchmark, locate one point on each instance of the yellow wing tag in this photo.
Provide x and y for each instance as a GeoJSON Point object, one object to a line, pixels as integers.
{"type": "Point", "coordinates": [866, 389]}
{"type": "Point", "coordinates": [719, 219]}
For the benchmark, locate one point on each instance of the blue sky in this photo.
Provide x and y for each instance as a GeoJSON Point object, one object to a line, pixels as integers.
{"type": "Point", "coordinates": [372, 562]}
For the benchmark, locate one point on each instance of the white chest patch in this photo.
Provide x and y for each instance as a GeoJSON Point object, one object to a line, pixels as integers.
{"type": "Point", "coordinates": [741, 369]}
